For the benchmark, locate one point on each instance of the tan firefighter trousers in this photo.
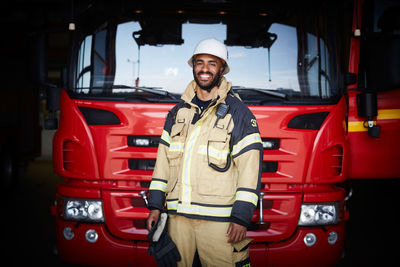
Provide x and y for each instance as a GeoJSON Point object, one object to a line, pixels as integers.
{"type": "Point", "coordinates": [209, 239]}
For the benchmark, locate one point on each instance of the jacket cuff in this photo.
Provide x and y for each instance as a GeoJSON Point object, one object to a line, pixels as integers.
{"type": "Point", "coordinates": [238, 221]}
{"type": "Point", "coordinates": [153, 208]}
{"type": "Point", "coordinates": [156, 200]}
{"type": "Point", "coordinates": [243, 211]}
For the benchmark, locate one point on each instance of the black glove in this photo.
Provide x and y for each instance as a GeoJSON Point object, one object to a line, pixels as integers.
{"type": "Point", "coordinates": [162, 248]}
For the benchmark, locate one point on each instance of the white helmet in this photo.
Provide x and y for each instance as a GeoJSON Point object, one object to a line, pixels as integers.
{"type": "Point", "coordinates": [212, 47]}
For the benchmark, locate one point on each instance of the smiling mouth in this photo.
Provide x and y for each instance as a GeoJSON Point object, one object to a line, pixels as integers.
{"type": "Point", "coordinates": [205, 76]}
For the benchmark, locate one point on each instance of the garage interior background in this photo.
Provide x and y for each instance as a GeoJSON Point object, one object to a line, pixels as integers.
{"type": "Point", "coordinates": [28, 228]}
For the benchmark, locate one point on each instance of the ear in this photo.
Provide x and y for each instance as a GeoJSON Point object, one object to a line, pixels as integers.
{"type": "Point", "coordinates": [222, 69]}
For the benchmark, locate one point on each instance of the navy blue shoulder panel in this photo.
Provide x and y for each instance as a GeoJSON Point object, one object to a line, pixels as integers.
{"type": "Point", "coordinates": [245, 123]}
{"type": "Point", "coordinates": [170, 120]}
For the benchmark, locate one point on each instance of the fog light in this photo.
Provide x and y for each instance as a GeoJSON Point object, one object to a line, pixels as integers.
{"type": "Point", "coordinates": [68, 233]}
{"type": "Point", "coordinates": [333, 237]}
{"type": "Point", "coordinates": [142, 142]}
{"type": "Point", "coordinates": [267, 144]}
{"type": "Point", "coordinates": [310, 239]}
{"type": "Point", "coordinates": [270, 143]}
{"type": "Point", "coordinates": [91, 235]}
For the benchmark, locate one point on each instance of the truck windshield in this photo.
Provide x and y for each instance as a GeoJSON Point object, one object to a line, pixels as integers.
{"type": "Point", "coordinates": [286, 59]}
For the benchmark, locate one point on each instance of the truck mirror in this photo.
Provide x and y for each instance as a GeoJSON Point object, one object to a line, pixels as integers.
{"type": "Point", "coordinates": [367, 106]}
{"type": "Point", "coordinates": [374, 131]}
{"type": "Point", "coordinates": [53, 93]}
{"type": "Point", "coordinates": [51, 123]}
{"type": "Point", "coordinates": [64, 77]}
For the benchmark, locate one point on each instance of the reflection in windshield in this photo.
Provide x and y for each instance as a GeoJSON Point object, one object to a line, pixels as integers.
{"type": "Point", "coordinates": [303, 62]}
{"type": "Point", "coordinates": [167, 67]}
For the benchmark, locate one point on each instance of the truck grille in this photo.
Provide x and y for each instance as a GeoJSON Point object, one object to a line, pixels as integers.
{"type": "Point", "coordinates": [126, 214]}
{"type": "Point", "coordinates": [280, 216]}
{"type": "Point", "coordinates": [142, 164]}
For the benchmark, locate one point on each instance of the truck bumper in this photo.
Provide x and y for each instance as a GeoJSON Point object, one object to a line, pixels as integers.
{"type": "Point", "coordinates": [106, 251]}
{"type": "Point", "coordinates": [111, 251]}
{"type": "Point", "coordinates": [294, 252]}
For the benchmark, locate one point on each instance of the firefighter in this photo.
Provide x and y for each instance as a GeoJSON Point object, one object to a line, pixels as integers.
{"type": "Point", "coordinates": [208, 166]}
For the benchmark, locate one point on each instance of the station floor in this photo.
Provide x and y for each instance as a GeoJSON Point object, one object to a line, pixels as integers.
{"type": "Point", "coordinates": [27, 225]}
{"type": "Point", "coordinates": [28, 238]}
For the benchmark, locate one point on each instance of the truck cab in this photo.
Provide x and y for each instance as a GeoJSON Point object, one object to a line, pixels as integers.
{"type": "Point", "coordinates": [127, 69]}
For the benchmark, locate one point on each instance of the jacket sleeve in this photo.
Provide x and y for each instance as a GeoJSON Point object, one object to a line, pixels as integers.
{"type": "Point", "coordinates": [247, 156]}
{"type": "Point", "coordinates": [160, 176]}
{"type": "Point", "coordinates": [159, 180]}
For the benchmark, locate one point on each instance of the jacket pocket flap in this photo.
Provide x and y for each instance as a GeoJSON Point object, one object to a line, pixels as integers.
{"type": "Point", "coordinates": [177, 129]}
{"type": "Point", "coordinates": [218, 135]}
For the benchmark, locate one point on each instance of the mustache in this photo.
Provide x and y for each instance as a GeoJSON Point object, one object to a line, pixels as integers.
{"type": "Point", "coordinates": [202, 72]}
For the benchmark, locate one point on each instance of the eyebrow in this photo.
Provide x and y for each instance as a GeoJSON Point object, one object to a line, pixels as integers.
{"type": "Point", "coordinates": [210, 61]}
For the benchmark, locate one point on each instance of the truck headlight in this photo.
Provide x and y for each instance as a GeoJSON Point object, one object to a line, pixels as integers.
{"type": "Point", "coordinates": [88, 210]}
{"type": "Point", "coordinates": [320, 214]}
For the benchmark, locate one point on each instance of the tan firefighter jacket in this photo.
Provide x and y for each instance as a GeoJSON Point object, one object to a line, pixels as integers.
{"type": "Point", "coordinates": [208, 167]}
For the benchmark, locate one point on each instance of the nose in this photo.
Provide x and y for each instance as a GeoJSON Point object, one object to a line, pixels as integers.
{"type": "Point", "coordinates": [204, 68]}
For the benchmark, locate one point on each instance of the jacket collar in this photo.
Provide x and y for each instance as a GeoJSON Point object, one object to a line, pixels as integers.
{"type": "Point", "coordinates": [220, 94]}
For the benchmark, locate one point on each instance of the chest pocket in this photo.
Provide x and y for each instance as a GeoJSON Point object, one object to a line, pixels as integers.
{"type": "Point", "coordinates": [175, 153]}
{"type": "Point", "coordinates": [215, 183]}
{"type": "Point", "coordinates": [177, 145]}
{"type": "Point", "coordinates": [217, 147]}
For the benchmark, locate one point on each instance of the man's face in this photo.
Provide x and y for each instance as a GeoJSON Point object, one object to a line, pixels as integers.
{"type": "Point", "coordinates": [207, 71]}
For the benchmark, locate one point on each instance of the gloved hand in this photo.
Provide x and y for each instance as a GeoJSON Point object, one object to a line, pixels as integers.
{"type": "Point", "coordinates": [162, 248]}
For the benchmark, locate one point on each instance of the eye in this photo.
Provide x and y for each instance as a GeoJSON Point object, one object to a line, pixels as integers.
{"type": "Point", "coordinates": [198, 63]}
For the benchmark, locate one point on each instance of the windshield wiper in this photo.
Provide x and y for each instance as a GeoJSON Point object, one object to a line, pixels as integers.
{"type": "Point", "coordinates": [151, 90]}
{"type": "Point", "coordinates": [265, 92]}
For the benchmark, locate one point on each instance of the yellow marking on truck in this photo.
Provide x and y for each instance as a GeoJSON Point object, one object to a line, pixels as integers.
{"type": "Point", "coordinates": [383, 114]}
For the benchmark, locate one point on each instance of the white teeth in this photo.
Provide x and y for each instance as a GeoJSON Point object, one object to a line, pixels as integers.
{"type": "Point", "coordinates": [205, 76]}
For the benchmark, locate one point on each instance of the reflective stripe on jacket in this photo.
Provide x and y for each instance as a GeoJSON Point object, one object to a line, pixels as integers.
{"type": "Point", "coordinates": [183, 178]}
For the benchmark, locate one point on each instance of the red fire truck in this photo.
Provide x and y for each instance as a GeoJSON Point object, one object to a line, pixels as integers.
{"type": "Point", "coordinates": [321, 78]}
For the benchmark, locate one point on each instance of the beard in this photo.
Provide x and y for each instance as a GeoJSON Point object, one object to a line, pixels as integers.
{"type": "Point", "coordinates": [211, 84]}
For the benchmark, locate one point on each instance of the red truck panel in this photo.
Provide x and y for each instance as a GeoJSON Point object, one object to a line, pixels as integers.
{"type": "Point", "coordinates": [375, 158]}
{"type": "Point", "coordinates": [298, 160]}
